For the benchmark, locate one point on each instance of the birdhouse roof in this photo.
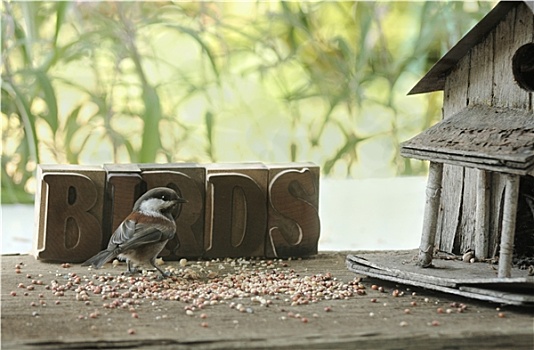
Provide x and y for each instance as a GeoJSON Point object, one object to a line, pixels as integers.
{"type": "Point", "coordinates": [434, 80]}
{"type": "Point", "coordinates": [484, 137]}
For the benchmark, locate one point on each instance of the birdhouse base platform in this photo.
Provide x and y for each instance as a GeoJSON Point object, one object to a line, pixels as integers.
{"type": "Point", "coordinates": [472, 280]}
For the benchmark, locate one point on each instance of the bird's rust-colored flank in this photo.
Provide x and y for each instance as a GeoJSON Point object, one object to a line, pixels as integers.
{"type": "Point", "coordinates": [147, 219]}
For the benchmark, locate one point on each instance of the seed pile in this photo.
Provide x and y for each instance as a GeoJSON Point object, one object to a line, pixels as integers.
{"type": "Point", "coordinates": [203, 284]}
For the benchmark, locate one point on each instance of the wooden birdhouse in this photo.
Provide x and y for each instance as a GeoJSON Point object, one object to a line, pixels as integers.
{"type": "Point", "coordinates": [480, 192]}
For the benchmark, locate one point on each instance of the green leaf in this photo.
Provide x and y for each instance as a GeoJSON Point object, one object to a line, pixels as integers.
{"type": "Point", "coordinates": [210, 123]}
{"type": "Point", "coordinates": [150, 143]}
{"type": "Point", "coordinates": [50, 98]}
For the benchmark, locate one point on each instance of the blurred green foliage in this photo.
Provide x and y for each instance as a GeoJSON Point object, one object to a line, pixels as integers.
{"type": "Point", "coordinates": [101, 82]}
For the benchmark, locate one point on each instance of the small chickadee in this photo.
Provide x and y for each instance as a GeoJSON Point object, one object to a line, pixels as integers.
{"type": "Point", "coordinates": [143, 234]}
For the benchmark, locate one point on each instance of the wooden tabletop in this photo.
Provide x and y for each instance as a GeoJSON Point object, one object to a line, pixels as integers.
{"type": "Point", "coordinates": [44, 306]}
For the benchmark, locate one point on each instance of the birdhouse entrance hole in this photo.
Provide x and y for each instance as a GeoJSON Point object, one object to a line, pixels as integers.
{"type": "Point", "coordinates": [523, 66]}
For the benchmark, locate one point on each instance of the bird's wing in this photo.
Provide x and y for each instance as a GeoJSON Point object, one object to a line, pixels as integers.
{"type": "Point", "coordinates": [131, 234]}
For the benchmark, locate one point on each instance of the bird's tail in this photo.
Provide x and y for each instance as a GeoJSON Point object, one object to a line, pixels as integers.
{"type": "Point", "coordinates": [101, 258]}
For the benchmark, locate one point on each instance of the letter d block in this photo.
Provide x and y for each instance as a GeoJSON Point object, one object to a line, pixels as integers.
{"type": "Point", "coordinates": [293, 224]}
{"type": "Point", "coordinates": [236, 210]}
{"type": "Point", "coordinates": [69, 204]}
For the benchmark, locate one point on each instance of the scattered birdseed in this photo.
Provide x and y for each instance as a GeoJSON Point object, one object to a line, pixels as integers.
{"type": "Point", "coordinates": [403, 323]}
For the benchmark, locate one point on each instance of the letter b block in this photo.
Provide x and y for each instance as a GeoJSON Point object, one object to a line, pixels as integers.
{"type": "Point", "coordinates": [69, 213]}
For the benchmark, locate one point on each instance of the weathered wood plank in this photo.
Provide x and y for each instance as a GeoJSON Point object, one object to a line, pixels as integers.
{"type": "Point", "coordinates": [468, 215]}
{"type": "Point", "coordinates": [445, 277]}
{"type": "Point", "coordinates": [480, 89]}
{"type": "Point", "coordinates": [471, 162]}
{"type": "Point", "coordinates": [485, 132]}
{"type": "Point", "coordinates": [498, 184]}
{"type": "Point", "coordinates": [353, 323]}
{"type": "Point", "coordinates": [510, 34]}
{"type": "Point", "coordinates": [455, 100]}
{"type": "Point", "coordinates": [456, 88]}
{"type": "Point", "coordinates": [451, 201]}
{"type": "Point", "coordinates": [482, 214]}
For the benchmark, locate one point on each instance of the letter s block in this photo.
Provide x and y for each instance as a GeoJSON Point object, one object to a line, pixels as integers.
{"type": "Point", "coordinates": [293, 224]}
{"type": "Point", "coordinates": [69, 205]}
{"type": "Point", "coordinates": [236, 210]}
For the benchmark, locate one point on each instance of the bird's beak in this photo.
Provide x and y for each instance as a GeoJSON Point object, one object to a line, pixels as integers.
{"type": "Point", "coordinates": [181, 200]}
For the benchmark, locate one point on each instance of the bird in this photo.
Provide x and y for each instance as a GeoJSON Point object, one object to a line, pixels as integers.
{"type": "Point", "coordinates": [143, 234]}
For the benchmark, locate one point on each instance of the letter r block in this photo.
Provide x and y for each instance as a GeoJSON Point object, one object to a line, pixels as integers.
{"type": "Point", "coordinates": [189, 181]}
{"type": "Point", "coordinates": [124, 186]}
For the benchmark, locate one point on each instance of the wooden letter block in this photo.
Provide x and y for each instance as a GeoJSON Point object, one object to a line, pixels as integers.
{"type": "Point", "coordinates": [69, 212]}
{"type": "Point", "coordinates": [236, 210]}
{"type": "Point", "coordinates": [124, 186]}
{"type": "Point", "coordinates": [189, 181]}
{"type": "Point", "coordinates": [293, 223]}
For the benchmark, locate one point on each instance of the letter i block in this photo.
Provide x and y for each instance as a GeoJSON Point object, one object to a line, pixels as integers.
{"type": "Point", "coordinates": [236, 210]}
{"type": "Point", "coordinates": [293, 224]}
{"type": "Point", "coordinates": [68, 208]}
{"type": "Point", "coordinates": [124, 186]}
{"type": "Point", "coordinates": [189, 181]}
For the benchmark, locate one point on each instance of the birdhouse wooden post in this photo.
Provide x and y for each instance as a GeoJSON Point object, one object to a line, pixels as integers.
{"type": "Point", "coordinates": [480, 193]}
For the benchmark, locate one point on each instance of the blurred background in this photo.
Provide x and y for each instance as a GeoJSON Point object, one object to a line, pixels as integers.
{"type": "Point", "coordinates": [122, 82]}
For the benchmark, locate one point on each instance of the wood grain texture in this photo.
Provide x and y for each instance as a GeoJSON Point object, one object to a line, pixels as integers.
{"type": "Point", "coordinates": [455, 99]}
{"type": "Point", "coordinates": [430, 221]}
{"type": "Point", "coordinates": [511, 193]}
{"type": "Point", "coordinates": [482, 214]}
{"type": "Point", "coordinates": [510, 34]}
{"type": "Point", "coordinates": [469, 207]}
{"type": "Point", "coordinates": [480, 90]}
{"type": "Point", "coordinates": [355, 323]}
